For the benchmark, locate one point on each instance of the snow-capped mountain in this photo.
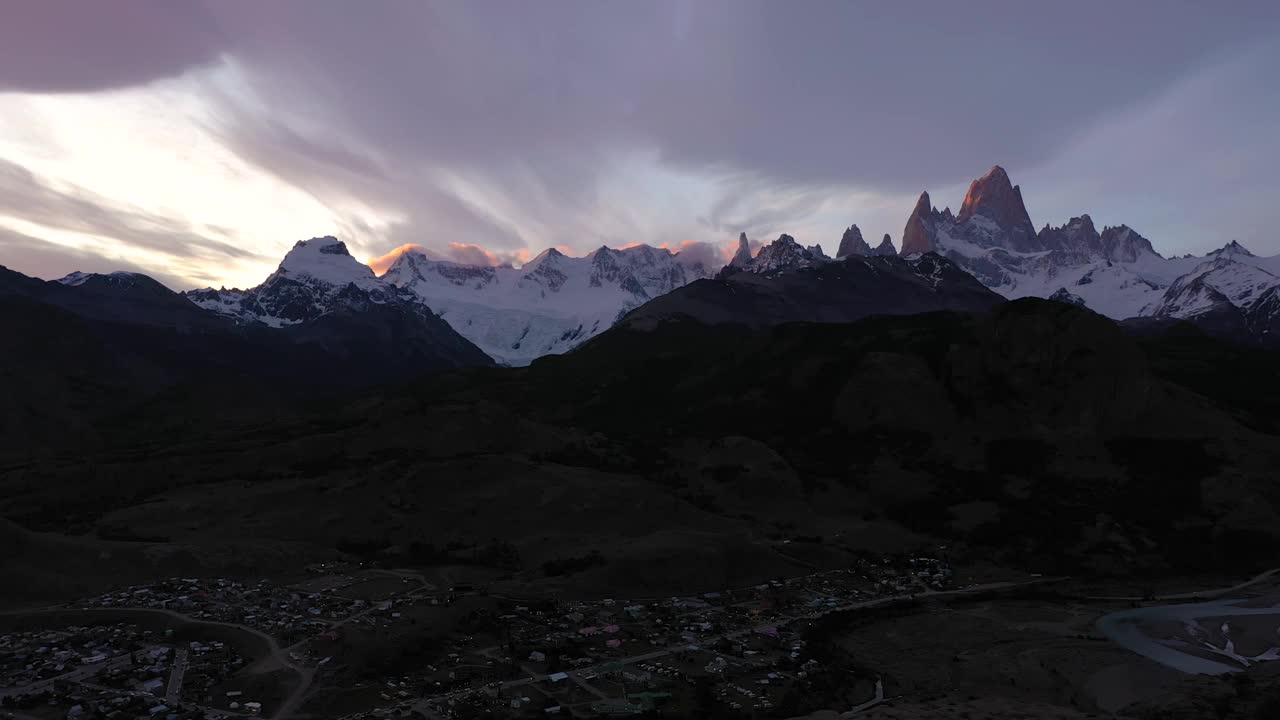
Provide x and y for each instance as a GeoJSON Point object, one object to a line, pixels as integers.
{"type": "Point", "coordinates": [549, 305]}
{"type": "Point", "coordinates": [1222, 279]}
{"type": "Point", "coordinates": [119, 278]}
{"type": "Point", "coordinates": [782, 254]}
{"type": "Point", "coordinates": [1115, 272]}
{"type": "Point", "coordinates": [321, 295]}
{"type": "Point", "coordinates": [126, 297]}
{"type": "Point", "coordinates": [1263, 317]}
{"type": "Point", "coordinates": [315, 277]}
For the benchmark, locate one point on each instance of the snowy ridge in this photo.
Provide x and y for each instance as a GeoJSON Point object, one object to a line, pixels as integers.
{"type": "Point", "coordinates": [550, 305]}
{"type": "Point", "coordinates": [1116, 272]}
{"type": "Point", "coordinates": [119, 277]}
{"type": "Point", "coordinates": [1239, 283]}
{"type": "Point", "coordinates": [316, 277]}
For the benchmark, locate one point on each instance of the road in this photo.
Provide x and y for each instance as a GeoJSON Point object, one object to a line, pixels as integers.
{"type": "Point", "coordinates": [425, 704]}
{"type": "Point", "coordinates": [874, 701]}
{"type": "Point", "coordinates": [180, 659]}
{"type": "Point", "coordinates": [81, 673]}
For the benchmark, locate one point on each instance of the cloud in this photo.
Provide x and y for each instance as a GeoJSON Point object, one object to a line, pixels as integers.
{"type": "Point", "coordinates": [513, 127]}
{"type": "Point", "coordinates": [25, 195]}
{"type": "Point", "coordinates": [502, 125]}
{"type": "Point", "coordinates": [461, 253]}
{"type": "Point", "coordinates": [100, 228]}
{"type": "Point", "coordinates": [70, 46]}
{"type": "Point", "coordinates": [382, 263]}
{"type": "Point", "coordinates": [836, 93]}
{"type": "Point", "coordinates": [697, 252]}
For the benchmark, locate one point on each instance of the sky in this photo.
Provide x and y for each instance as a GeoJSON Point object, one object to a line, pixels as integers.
{"type": "Point", "coordinates": [197, 141]}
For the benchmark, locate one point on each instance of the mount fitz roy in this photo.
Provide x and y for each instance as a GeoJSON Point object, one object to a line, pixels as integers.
{"type": "Point", "coordinates": [1116, 272]}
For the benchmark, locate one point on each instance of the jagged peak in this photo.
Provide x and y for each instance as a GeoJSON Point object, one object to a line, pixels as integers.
{"type": "Point", "coordinates": [742, 255]}
{"type": "Point", "coordinates": [917, 236]}
{"type": "Point", "coordinates": [549, 255]}
{"type": "Point", "coordinates": [996, 173]}
{"type": "Point", "coordinates": [923, 205]}
{"type": "Point", "coordinates": [327, 244]}
{"type": "Point", "coordinates": [994, 196]}
{"type": "Point", "coordinates": [1232, 248]}
{"type": "Point", "coordinates": [851, 243]}
{"type": "Point", "coordinates": [785, 254]}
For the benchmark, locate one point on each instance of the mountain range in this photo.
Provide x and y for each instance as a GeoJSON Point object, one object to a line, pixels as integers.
{"type": "Point", "coordinates": [788, 283]}
{"type": "Point", "coordinates": [555, 302]}
{"type": "Point", "coordinates": [1116, 272]}
{"type": "Point", "coordinates": [888, 400]}
{"type": "Point", "coordinates": [88, 350]}
{"type": "Point", "coordinates": [549, 305]}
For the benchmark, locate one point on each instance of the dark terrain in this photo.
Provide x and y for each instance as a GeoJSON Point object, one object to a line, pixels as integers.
{"type": "Point", "coordinates": [1038, 431]}
{"type": "Point", "coordinates": [707, 441]}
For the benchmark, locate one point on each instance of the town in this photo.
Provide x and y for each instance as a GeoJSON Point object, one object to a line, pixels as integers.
{"type": "Point", "coordinates": [350, 641]}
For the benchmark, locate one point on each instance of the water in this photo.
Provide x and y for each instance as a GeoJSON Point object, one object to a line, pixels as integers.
{"type": "Point", "coordinates": [1123, 627]}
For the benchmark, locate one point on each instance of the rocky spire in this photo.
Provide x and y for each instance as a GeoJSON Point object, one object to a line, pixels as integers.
{"type": "Point", "coordinates": [885, 247]}
{"type": "Point", "coordinates": [993, 196]}
{"type": "Point", "coordinates": [743, 255]}
{"type": "Point", "coordinates": [786, 254]}
{"type": "Point", "coordinates": [851, 243]}
{"type": "Point", "coordinates": [917, 236]}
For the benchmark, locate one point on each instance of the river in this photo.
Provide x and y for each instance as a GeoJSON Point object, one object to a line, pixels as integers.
{"type": "Point", "coordinates": [1124, 627]}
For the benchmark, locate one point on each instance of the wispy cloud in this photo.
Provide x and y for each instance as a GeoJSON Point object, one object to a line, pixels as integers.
{"type": "Point", "coordinates": [514, 127]}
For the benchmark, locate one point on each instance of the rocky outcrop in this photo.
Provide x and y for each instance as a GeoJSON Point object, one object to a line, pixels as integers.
{"type": "Point", "coordinates": [743, 255]}
{"type": "Point", "coordinates": [851, 243]}
{"type": "Point", "coordinates": [785, 254]}
{"type": "Point", "coordinates": [918, 235]}
{"type": "Point", "coordinates": [995, 198]}
{"type": "Point", "coordinates": [832, 292]}
{"type": "Point", "coordinates": [1123, 244]}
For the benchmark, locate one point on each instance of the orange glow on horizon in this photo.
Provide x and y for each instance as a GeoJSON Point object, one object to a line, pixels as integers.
{"type": "Point", "coordinates": [382, 263]}
{"type": "Point", "coordinates": [470, 254]}
{"type": "Point", "coordinates": [462, 253]}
